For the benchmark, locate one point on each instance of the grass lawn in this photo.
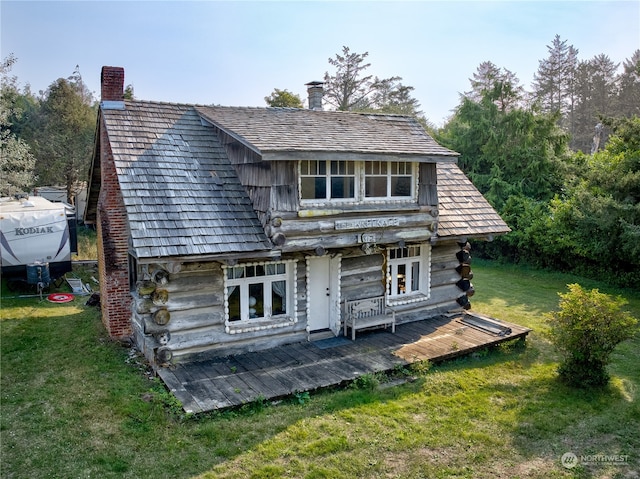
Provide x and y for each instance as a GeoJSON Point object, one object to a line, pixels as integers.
{"type": "Point", "coordinates": [76, 405]}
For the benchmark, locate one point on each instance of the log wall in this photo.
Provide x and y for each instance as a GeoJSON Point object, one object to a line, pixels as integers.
{"type": "Point", "coordinates": [188, 304]}
{"type": "Point", "coordinates": [193, 301]}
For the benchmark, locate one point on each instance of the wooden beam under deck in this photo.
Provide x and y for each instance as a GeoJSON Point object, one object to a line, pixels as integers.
{"type": "Point", "coordinates": [219, 383]}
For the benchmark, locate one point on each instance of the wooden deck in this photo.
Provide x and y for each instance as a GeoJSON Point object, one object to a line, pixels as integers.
{"type": "Point", "coordinates": [224, 382]}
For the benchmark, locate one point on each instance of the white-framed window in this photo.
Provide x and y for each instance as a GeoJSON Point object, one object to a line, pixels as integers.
{"type": "Point", "coordinates": [408, 273]}
{"type": "Point", "coordinates": [333, 181]}
{"type": "Point", "coordinates": [258, 292]}
{"type": "Point", "coordinates": [388, 179]}
{"type": "Point", "coordinates": [327, 180]}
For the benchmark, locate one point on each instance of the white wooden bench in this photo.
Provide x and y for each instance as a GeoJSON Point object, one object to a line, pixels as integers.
{"type": "Point", "coordinates": [368, 313]}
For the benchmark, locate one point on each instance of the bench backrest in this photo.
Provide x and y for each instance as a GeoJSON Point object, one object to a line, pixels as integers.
{"type": "Point", "coordinates": [363, 308]}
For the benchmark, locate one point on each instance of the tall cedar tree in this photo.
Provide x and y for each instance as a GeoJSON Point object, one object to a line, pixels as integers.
{"type": "Point", "coordinates": [65, 141]}
{"type": "Point", "coordinates": [349, 89]}
{"type": "Point", "coordinates": [506, 153]}
{"type": "Point", "coordinates": [629, 87]}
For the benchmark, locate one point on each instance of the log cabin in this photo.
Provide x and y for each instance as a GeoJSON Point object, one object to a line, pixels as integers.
{"type": "Point", "coordinates": [224, 230]}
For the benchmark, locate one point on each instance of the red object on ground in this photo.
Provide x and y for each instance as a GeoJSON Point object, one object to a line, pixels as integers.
{"type": "Point", "coordinates": [60, 297]}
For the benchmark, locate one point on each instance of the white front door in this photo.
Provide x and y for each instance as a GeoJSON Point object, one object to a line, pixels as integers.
{"type": "Point", "coordinates": [323, 294]}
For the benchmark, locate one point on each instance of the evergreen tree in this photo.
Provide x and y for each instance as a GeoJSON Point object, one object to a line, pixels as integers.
{"type": "Point", "coordinates": [65, 138]}
{"type": "Point", "coordinates": [596, 92]}
{"type": "Point", "coordinates": [391, 96]}
{"type": "Point", "coordinates": [349, 89]}
{"type": "Point", "coordinates": [554, 82]}
{"type": "Point", "coordinates": [16, 161]}
{"type": "Point", "coordinates": [501, 84]}
{"type": "Point", "coordinates": [505, 153]}
{"type": "Point", "coordinates": [628, 103]}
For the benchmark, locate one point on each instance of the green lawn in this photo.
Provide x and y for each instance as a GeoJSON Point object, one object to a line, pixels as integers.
{"type": "Point", "coordinates": [75, 405]}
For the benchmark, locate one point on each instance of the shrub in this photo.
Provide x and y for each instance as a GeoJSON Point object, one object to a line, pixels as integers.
{"type": "Point", "coordinates": [586, 329]}
{"type": "Point", "coordinates": [87, 244]}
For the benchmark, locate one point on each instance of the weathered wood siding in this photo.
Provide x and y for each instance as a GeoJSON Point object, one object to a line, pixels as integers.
{"type": "Point", "coordinates": [428, 184]}
{"type": "Point", "coordinates": [193, 298]}
{"type": "Point", "coordinates": [194, 301]}
{"type": "Point", "coordinates": [254, 173]}
{"type": "Point", "coordinates": [308, 233]}
{"type": "Point", "coordinates": [284, 193]}
{"type": "Point", "coordinates": [363, 276]}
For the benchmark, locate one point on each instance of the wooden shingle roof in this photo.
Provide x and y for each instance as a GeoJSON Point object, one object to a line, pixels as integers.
{"type": "Point", "coordinates": [289, 129]}
{"type": "Point", "coordinates": [463, 209]}
{"type": "Point", "coordinates": [181, 194]}
{"type": "Point", "coordinates": [183, 197]}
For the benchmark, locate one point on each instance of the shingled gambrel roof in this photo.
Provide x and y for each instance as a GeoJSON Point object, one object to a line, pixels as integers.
{"type": "Point", "coordinates": [295, 130]}
{"type": "Point", "coordinates": [463, 209]}
{"type": "Point", "coordinates": [181, 194]}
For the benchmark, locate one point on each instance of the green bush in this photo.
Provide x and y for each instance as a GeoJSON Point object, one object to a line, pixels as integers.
{"type": "Point", "coordinates": [586, 329]}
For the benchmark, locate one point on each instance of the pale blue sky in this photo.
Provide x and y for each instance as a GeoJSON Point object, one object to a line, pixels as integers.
{"type": "Point", "coordinates": [235, 53]}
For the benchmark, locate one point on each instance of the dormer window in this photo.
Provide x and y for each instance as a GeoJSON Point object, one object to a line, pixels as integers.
{"type": "Point", "coordinates": [388, 179]}
{"type": "Point", "coordinates": [327, 180]}
{"type": "Point", "coordinates": [323, 182]}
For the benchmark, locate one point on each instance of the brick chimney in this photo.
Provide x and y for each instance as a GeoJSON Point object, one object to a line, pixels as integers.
{"type": "Point", "coordinates": [111, 219]}
{"type": "Point", "coordinates": [315, 92]}
{"type": "Point", "coordinates": [112, 84]}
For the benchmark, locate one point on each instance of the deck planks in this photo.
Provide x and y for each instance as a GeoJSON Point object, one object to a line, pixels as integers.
{"type": "Point", "coordinates": [221, 383]}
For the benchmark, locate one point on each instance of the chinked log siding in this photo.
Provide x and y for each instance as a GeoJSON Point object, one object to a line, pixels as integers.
{"type": "Point", "coordinates": [195, 303]}
{"type": "Point", "coordinates": [361, 224]}
{"type": "Point", "coordinates": [349, 238]}
{"type": "Point", "coordinates": [362, 277]}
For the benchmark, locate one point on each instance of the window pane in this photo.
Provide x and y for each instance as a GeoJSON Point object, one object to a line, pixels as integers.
{"type": "Point", "coordinates": [402, 279]}
{"type": "Point", "coordinates": [415, 276]}
{"type": "Point", "coordinates": [376, 187]}
{"type": "Point", "coordinates": [237, 272]}
{"type": "Point", "coordinates": [233, 294]}
{"type": "Point", "coordinates": [401, 186]}
{"type": "Point", "coordinates": [342, 187]}
{"type": "Point", "coordinates": [256, 300]}
{"type": "Point", "coordinates": [275, 268]}
{"type": "Point", "coordinates": [314, 188]}
{"type": "Point", "coordinates": [278, 297]}
{"type": "Point", "coordinates": [342, 167]}
{"type": "Point", "coordinates": [401, 168]}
